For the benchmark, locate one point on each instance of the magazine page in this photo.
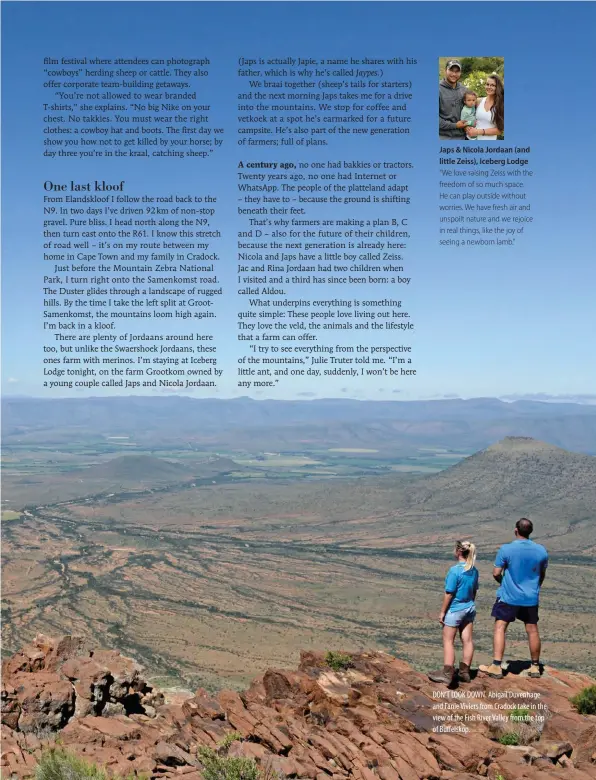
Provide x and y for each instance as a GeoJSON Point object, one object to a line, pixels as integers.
{"type": "Point", "coordinates": [298, 390]}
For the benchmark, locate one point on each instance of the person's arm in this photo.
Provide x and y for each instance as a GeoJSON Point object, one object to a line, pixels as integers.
{"type": "Point", "coordinates": [445, 124]}
{"type": "Point", "coordinates": [486, 131]}
{"type": "Point", "coordinates": [450, 590]}
{"type": "Point", "coordinates": [500, 565]}
{"type": "Point", "coordinates": [543, 570]}
{"type": "Point", "coordinates": [447, 599]}
{"type": "Point", "coordinates": [448, 124]}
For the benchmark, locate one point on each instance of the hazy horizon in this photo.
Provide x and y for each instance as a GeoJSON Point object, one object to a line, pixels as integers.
{"type": "Point", "coordinates": [581, 399]}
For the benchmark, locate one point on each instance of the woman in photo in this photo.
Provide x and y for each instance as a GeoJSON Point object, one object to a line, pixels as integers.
{"type": "Point", "coordinates": [490, 112]}
{"type": "Point", "coordinates": [457, 614]}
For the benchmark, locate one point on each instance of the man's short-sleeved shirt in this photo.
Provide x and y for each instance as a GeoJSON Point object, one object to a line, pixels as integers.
{"type": "Point", "coordinates": [523, 562]}
{"type": "Point", "coordinates": [463, 584]}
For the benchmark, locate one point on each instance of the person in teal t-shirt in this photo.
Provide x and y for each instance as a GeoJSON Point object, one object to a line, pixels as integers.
{"type": "Point", "coordinates": [520, 568]}
{"type": "Point", "coordinates": [458, 613]}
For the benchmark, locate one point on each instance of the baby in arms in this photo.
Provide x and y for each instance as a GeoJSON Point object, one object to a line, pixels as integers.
{"type": "Point", "coordinates": [468, 112]}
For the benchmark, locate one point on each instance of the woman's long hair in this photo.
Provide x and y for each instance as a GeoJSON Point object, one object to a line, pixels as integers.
{"type": "Point", "coordinates": [468, 551]}
{"type": "Point", "coordinates": [497, 112]}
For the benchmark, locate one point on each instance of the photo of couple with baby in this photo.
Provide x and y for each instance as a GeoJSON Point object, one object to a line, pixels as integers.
{"type": "Point", "coordinates": [471, 105]}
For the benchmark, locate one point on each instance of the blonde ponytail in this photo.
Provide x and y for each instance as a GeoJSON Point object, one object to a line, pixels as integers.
{"type": "Point", "coordinates": [468, 551]}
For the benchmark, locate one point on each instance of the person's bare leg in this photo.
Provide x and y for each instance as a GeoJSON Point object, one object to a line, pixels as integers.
{"type": "Point", "coordinates": [494, 669]}
{"type": "Point", "coordinates": [446, 674]}
{"type": "Point", "coordinates": [467, 637]}
{"type": "Point", "coordinates": [534, 642]}
{"type": "Point", "coordinates": [499, 640]}
{"type": "Point", "coordinates": [449, 645]}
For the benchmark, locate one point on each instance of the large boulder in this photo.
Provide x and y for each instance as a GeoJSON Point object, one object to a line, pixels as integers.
{"type": "Point", "coordinates": [46, 701]}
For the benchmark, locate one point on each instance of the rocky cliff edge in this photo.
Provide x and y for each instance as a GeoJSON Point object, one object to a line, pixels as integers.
{"type": "Point", "coordinates": [375, 718]}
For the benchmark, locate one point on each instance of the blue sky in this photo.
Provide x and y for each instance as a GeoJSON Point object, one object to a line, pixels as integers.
{"type": "Point", "coordinates": [489, 321]}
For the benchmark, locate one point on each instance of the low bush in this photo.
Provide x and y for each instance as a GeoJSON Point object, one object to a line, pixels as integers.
{"type": "Point", "coordinates": [222, 767]}
{"type": "Point", "coordinates": [520, 715]}
{"type": "Point", "coordinates": [585, 701]}
{"type": "Point", "coordinates": [218, 765]}
{"type": "Point", "coordinates": [338, 661]}
{"type": "Point", "coordinates": [509, 738]}
{"type": "Point", "coordinates": [228, 741]}
{"type": "Point", "coordinates": [60, 764]}
{"type": "Point", "coordinates": [516, 732]}
{"type": "Point", "coordinates": [57, 763]}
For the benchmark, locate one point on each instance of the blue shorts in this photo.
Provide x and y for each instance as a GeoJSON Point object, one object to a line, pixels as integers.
{"type": "Point", "coordinates": [509, 612]}
{"type": "Point", "coordinates": [460, 618]}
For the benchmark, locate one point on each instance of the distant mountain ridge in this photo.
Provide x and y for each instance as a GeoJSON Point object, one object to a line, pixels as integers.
{"type": "Point", "coordinates": [284, 425]}
{"type": "Point", "coordinates": [76, 411]}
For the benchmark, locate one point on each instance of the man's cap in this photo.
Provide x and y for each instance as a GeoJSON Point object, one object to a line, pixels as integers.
{"type": "Point", "coordinates": [453, 64]}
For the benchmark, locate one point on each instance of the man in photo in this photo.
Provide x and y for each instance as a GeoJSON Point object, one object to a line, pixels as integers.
{"type": "Point", "coordinates": [451, 101]}
{"type": "Point", "coordinates": [520, 568]}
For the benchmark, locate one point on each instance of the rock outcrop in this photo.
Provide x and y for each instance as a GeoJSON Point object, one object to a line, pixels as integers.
{"type": "Point", "coordinates": [378, 718]}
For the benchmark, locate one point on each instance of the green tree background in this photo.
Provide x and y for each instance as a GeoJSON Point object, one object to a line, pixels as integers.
{"type": "Point", "coordinates": [475, 71]}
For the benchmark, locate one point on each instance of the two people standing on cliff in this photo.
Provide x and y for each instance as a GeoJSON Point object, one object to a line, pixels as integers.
{"type": "Point", "coordinates": [463, 115]}
{"type": "Point", "coordinates": [519, 568]}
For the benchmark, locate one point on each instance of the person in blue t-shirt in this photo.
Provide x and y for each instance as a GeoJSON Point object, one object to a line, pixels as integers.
{"type": "Point", "coordinates": [520, 568]}
{"type": "Point", "coordinates": [458, 613]}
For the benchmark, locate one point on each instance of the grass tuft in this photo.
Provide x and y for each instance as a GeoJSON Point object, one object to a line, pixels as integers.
{"type": "Point", "coordinates": [338, 661]}
{"type": "Point", "coordinates": [520, 715]}
{"type": "Point", "coordinates": [509, 738]}
{"type": "Point", "coordinates": [218, 765]}
{"type": "Point", "coordinates": [60, 764]}
{"type": "Point", "coordinates": [585, 701]}
{"type": "Point", "coordinates": [57, 763]}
